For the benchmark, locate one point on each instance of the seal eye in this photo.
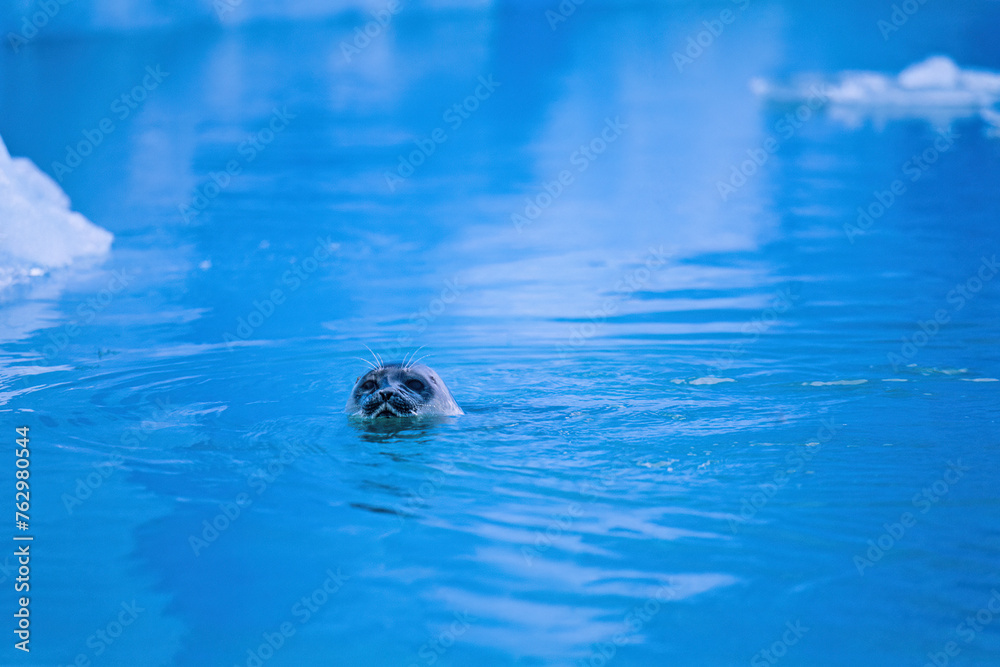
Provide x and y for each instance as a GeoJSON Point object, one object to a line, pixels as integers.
{"type": "Point", "coordinates": [415, 385]}
{"type": "Point", "coordinates": [368, 386]}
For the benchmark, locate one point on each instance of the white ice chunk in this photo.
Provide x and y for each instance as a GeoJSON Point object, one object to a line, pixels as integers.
{"type": "Point", "coordinates": [936, 89]}
{"type": "Point", "coordinates": [935, 72]}
{"type": "Point", "coordinates": [37, 228]}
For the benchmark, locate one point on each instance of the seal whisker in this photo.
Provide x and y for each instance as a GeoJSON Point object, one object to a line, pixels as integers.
{"type": "Point", "coordinates": [417, 361]}
{"type": "Point", "coordinates": [370, 364]}
{"type": "Point", "coordinates": [381, 363]}
{"type": "Point", "coordinates": [409, 364]}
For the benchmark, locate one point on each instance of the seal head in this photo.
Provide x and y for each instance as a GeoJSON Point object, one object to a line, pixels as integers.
{"type": "Point", "coordinates": [401, 390]}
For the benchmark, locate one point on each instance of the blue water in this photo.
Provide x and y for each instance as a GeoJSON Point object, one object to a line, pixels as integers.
{"type": "Point", "coordinates": [690, 423]}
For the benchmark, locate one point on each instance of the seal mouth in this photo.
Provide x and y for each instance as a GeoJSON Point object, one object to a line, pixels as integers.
{"type": "Point", "coordinates": [394, 406]}
{"type": "Point", "coordinates": [386, 410]}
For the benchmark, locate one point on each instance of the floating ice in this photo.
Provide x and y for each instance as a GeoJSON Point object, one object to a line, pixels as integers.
{"type": "Point", "coordinates": [935, 89]}
{"type": "Point", "coordinates": [711, 380]}
{"type": "Point", "coordinates": [833, 383]}
{"type": "Point", "coordinates": [38, 231]}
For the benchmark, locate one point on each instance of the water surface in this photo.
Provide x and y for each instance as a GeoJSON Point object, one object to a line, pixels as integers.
{"type": "Point", "coordinates": [690, 422]}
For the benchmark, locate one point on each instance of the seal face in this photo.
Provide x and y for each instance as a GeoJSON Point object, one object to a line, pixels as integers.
{"type": "Point", "coordinates": [401, 390]}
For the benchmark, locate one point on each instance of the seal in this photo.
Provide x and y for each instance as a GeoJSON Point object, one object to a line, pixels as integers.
{"type": "Point", "coordinates": [401, 390]}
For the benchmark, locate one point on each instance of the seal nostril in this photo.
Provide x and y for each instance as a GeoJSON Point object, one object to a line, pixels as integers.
{"type": "Point", "coordinates": [385, 394]}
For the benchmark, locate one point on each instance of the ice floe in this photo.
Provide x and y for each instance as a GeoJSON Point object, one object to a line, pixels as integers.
{"type": "Point", "coordinates": [38, 231]}
{"type": "Point", "coordinates": [936, 89]}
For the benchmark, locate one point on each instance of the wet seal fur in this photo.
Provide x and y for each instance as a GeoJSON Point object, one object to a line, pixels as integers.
{"type": "Point", "coordinates": [399, 390]}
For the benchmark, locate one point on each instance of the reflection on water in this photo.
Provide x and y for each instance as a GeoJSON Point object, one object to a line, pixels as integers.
{"type": "Point", "coordinates": [679, 406]}
{"type": "Point", "coordinates": [394, 429]}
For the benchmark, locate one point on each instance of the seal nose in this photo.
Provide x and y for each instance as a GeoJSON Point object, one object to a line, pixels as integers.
{"type": "Point", "coordinates": [385, 394]}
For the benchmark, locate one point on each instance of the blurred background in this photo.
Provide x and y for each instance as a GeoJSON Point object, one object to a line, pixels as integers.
{"type": "Point", "coordinates": [713, 281]}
